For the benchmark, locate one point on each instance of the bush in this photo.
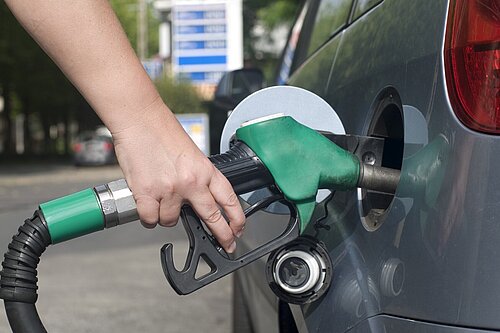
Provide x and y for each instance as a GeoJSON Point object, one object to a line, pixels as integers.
{"type": "Point", "coordinates": [180, 96]}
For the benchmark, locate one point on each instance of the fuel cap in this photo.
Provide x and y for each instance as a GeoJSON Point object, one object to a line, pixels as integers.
{"type": "Point", "coordinates": [299, 272]}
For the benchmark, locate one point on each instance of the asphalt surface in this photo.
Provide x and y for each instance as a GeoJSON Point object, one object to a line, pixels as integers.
{"type": "Point", "coordinates": [110, 281]}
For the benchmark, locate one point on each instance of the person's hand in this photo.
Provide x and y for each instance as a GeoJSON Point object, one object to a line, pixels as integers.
{"type": "Point", "coordinates": [165, 169]}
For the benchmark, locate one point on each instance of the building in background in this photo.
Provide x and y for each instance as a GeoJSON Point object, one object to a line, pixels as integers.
{"type": "Point", "coordinates": [201, 39]}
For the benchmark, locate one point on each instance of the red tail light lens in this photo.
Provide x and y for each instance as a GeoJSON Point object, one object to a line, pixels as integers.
{"type": "Point", "coordinates": [472, 60]}
{"type": "Point", "coordinates": [77, 147]}
{"type": "Point", "coordinates": [108, 146]}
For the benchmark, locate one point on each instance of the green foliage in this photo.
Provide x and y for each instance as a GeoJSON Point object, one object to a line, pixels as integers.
{"type": "Point", "coordinates": [127, 12]}
{"type": "Point", "coordinates": [30, 83]}
{"type": "Point", "coordinates": [33, 85]}
{"type": "Point", "coordinates": [270, 14]}
{"type": "Point", "coordinates": [278, 12]}
{"type": "Point", "coordinates": [180, 96]}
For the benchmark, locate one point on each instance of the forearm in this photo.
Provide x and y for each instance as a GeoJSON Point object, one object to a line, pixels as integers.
{"type": "Point", "coordinates": [163, 167]}
{"type": "Point", "coordinates": [86, 40]}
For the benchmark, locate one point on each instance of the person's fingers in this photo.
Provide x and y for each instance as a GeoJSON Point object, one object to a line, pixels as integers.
{"type": "Point", "coordinates": [226, 198]}
{"type": "Point", "coordinates": [170, 207]}
{"type": "Point", "coordinates": [148, 209]}
{"type": "Point", "coordinates": [205, 207]}
{"type": "Point", "coordinates": [148, 226]}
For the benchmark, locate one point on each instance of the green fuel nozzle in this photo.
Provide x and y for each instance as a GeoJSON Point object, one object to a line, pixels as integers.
{"type": "Point", "coordinates": [302, 161]}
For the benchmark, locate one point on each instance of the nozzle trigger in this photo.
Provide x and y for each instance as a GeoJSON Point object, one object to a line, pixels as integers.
{"type": "Point", "coordinates": [203, 245]}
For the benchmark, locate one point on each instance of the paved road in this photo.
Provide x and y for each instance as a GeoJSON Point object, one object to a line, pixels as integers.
{"type": "Point", "coordinates": [110, 281]}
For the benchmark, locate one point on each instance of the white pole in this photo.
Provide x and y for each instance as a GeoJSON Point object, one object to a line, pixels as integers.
{"type": "Point", "coordinates": [234, 15]}
{"type": "Point", "coordinates": [164, 36]}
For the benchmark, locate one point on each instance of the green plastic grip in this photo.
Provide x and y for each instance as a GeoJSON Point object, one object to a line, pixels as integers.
{"type": "Point", "coordinates": [301, 161]}
{"type": "Point", "coordinates": [73, 215]}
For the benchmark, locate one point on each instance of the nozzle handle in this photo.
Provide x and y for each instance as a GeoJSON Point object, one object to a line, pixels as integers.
{"type": "Point", "coordinates": [244, 170]}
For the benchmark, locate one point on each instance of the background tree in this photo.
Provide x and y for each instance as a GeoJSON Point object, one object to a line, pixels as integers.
{"type": "Point", "coordinates": [33, 87]}
{"type": "Point", "coordinates": [271, 15]}
{"type": "Point", "coordinates": [128, 14]}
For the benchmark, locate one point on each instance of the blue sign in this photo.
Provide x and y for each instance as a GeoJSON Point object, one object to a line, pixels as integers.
{"type": "Point", "coordinates": [200, 14]}
{"type": "Point", "coordinates": [200, 51]}
{"type": "Point", "coordinates": [203, 77]}
{"type": "Point", "coordinates": [201, 29]}
{"type": "Point", "coordinates": [202, 60]}
{"type": "Point", "coordinates": [201, 44]}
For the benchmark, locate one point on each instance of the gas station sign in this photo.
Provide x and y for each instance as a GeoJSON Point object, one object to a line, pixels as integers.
{"type": "Point", "coordinates": [206, 39]}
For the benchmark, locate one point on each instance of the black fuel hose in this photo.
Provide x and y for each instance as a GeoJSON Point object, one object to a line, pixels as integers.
{"type": "Point", "coordinates": [23, 317]}
{"type": "Point", "coordinates": [18, 278]}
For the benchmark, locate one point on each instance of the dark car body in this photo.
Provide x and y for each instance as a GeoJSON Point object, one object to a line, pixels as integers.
{"type": "Point", "coordinates": [425, 259]}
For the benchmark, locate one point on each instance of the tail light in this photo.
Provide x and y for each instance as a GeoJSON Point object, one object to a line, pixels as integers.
{"type": "Point", "coordinates": [472, 60]}
{"type": "Point", "coordinates": [108, 146]}
{"type": "Point", "coordinates": [77, 147]}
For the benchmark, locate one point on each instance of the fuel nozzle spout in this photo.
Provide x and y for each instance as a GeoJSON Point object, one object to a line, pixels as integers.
{"type": "Point", "coordinates": [378, 178]}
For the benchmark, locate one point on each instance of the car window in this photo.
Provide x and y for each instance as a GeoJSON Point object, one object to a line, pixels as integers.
{"type": "Point", "coordinates": [287, 60]}
{"type": "Point", "coordinates": [86, 136]}
{"type": "Point", "coordinates": [103, 138]}
{"type": "Point", "coordinates": [331, 17]}
{"type": "Point", "coordinates": [223, 85]}
{"type": "Point", "coordinates": [362, 6]}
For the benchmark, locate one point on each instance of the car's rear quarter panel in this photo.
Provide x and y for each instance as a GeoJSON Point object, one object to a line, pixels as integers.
{"type": "Point", "coordinates": [448, 242]}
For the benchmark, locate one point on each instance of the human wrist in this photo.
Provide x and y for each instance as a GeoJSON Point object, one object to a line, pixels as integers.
{"type": "Point", "coordinates": [153, 115]}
